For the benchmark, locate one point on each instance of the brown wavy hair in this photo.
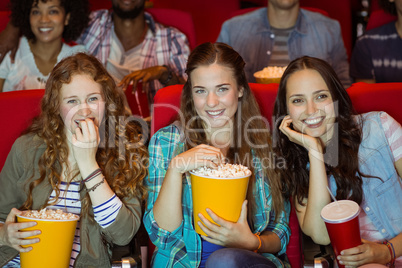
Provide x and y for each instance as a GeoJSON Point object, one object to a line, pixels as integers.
{"type": "Point", "coordinates": [248, 114]}
{"type": "Point", "coordinates": [344, 163]}
{"type": "Point", "coordinates": [121, 154]}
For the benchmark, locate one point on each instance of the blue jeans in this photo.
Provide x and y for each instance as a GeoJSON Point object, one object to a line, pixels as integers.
{"type": "Point", "coordinates": [237, 258]}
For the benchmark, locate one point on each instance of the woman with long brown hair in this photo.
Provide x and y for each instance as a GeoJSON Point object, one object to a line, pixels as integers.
{"type": "Point", "coordinates": [220, 122]}
{"type": "Point", "coordinates": [82, 155]}
{"type": "Point", "coordinates": [326, 144]}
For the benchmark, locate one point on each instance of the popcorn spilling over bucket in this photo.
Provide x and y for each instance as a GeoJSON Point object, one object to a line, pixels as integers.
{"type": "Point", "coordinates": [222, 190]}
{"type": "Point", "coordinates": [56, 239]}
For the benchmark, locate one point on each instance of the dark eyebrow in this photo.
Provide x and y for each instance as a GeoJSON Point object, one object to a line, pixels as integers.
{"type": "Point", "coordinates": [315, 92]}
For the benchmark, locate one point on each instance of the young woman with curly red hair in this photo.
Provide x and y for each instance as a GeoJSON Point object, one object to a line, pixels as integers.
{"type": "Point", "coordinates": [82, 154]}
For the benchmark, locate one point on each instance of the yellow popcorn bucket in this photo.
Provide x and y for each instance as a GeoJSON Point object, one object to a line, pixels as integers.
{"type": "Point", "coordinates": [224, 196]}
{"type": "Point", "coordinates": [55, 245]}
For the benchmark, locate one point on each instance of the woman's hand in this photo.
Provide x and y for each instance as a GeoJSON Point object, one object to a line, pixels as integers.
{"type": "Point", "coordinates": [308, 142]}
{"type": "Point", "coordinates": [368, 252]}
{"type": "Point", "coordinates": [201, 155]}
{"type": "Point", "coordinates": [10, 234]}
{"type": "Point", "coordinates": [229, 234]}
{"type": "Point", "coordinates": [85, 143]}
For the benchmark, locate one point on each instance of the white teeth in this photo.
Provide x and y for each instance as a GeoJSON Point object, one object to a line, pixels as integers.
{"type": "Point", "coordinates": [45, 29]}
{"type": "Point", "coordinates": [214, 112]}
{"type": "Point", "coordinates": [313, 121]}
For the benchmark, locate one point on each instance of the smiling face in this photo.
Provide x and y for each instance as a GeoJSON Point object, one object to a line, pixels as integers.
{"type": "Point", "coordinates": [215, 94]}
{"type": "Point", "coordinates": [310, 104]}
{"type": "Point", "coordinates": [47, 21]}
{"type": "Point", "coordinates": [80, 99]}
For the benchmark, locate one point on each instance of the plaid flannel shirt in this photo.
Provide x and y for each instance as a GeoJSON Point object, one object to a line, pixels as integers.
{"type": "Point", "coordinates": [182, 247]}
{"type": "Point", "coordinates": [165, 46]}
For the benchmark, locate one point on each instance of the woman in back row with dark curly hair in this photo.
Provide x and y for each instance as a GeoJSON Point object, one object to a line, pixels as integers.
{"type": "Point", "coordinates": [82, 154]}
{"type": "Point", "coordinates": [44, 24]}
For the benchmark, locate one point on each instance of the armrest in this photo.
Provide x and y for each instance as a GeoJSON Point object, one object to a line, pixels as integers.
{"type": "Point", "coordinates": [126, 262]}
{"type": "Point", "coordinates": [133, 254]}
{"type": "Point", "coordinates": [321, 262]}
{"type": "Point", "coordinates": [325, 259]}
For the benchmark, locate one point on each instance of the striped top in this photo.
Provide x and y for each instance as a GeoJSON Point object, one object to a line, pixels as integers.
{"type": "Point", "coordinates": [69, 201]}
{"type": "Point", "coordinates": [378, 55]}
{"type": "Point", "coordinates": [393, 132]}
{"type": "Point", "coordinates": [280, 54]}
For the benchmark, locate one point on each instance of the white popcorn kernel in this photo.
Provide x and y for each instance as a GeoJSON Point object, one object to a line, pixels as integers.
{"type": "Point", "coordinates": [224, 171]}
{"type": "Point", "coordinates": [49, 214]}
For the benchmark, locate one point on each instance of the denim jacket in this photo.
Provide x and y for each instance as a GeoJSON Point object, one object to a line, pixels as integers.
{"type": "Point", "coordinates": [182, 247]}
{"type": "Point", "coordinates": [382, 198]}
{"type": "Point", "coordinates": [314, 35]}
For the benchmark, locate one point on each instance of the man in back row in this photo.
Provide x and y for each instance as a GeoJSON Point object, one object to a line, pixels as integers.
{"type": "Point", "coordinates": [282, 32]}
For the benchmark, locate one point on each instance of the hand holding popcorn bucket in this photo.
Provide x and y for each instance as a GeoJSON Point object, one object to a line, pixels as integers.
{"type": "Point", "coordinates": [56, 238]}
{"type": "Point", "coordinates": [223, 191]}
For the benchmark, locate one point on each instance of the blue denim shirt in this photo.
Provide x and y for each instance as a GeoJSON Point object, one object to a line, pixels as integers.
{"type": "Point", "coordinates": [314, 35]}
{"type": "Point", "coordinates": [382, 199]}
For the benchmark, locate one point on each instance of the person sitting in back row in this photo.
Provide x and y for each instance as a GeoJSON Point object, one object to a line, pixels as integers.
{"type": "Point", "coordinates": [276, 35]}
{"type": "Point", "coordinates": [131, 45]}
{"type": "Point", "coordinates": [44, 25]}
{"type": "Point", "coordinates": [377, 55]}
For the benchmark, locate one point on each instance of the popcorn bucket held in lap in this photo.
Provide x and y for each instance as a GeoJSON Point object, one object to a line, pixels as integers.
{"type": "Point", "coordinates": [56, 240]}
{"type": "Point", "coordinates": [223, 193]}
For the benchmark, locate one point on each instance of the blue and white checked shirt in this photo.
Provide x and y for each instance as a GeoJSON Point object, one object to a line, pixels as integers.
{"type": "Point", "coordinates": [182, 247]}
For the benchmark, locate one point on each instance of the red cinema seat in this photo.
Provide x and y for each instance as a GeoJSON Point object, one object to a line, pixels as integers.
{"type": "Point", "coordinates": [17, 109]}
{"type": "Point", "coordinates": [378, 18]}
{"type": "Point", "coordinates": [208, 15]}
{"type": "Point", "coordinates": [377, 97]}
{"type": "Point", "coordinates": [179, 19]}
{"type": "Point", "coordinates": [4, 19]}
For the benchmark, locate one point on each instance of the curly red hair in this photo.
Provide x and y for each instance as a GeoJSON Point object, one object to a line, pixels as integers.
{"type": "Point", "coordinates": [121, 154]}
